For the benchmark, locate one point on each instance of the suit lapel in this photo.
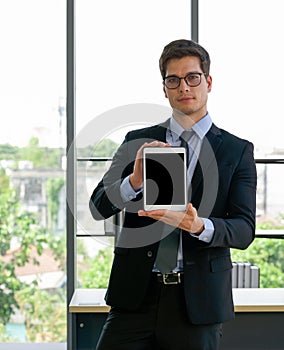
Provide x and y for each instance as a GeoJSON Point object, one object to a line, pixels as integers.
{"type": "Point", "coordinates": [159, 133]}
{"type": "Point", "coordinates": [207, 157]}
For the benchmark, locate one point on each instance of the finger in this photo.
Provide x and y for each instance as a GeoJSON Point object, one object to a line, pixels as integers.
{"type": "Point", "coordinates": [190, 210]}
{"type": "Point", "coordinates": [139, 152]}
{"type": "Point", "coordinates": [189, 207]}
{"type": "Point", "coordinates": [157, 143]}
{"type": "Point", "coordinates": [151, 213]}
{"type": "Point", "coordinates": [167, 216]}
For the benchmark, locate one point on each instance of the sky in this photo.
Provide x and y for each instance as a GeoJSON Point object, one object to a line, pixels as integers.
{"type": "Point", "coordinates": [117, 64]}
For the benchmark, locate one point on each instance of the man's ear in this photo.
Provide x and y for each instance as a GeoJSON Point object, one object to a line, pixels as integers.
{"type": "Point", "coordinates": [209, 83]}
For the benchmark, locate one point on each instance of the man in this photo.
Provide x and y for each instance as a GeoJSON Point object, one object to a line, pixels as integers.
{"type": "Point", "coordinates": [184, 308]}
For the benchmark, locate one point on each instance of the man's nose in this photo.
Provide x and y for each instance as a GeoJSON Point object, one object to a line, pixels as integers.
{"type": "Point", "coordinates": [183, 85]}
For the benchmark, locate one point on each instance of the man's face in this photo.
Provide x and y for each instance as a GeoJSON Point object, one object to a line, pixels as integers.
{"type": "Point", "coordinates": [191, 101]}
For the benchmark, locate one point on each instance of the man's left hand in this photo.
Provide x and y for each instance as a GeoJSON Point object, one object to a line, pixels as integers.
{"type": "Point", "coordinates": [187, 220]}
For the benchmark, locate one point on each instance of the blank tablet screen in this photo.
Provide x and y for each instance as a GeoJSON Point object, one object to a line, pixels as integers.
{"type": "Point", "coordinates": [164, 178]}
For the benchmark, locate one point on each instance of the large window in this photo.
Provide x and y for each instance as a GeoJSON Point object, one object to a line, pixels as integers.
{"type": "Point", "coordinates": [244, 39]}
{"type": "Point", "coordinates": [32, 173]}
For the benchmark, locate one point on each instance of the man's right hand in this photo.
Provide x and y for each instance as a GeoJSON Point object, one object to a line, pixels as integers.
{"type": "Point", "coordinates": [136, 178]}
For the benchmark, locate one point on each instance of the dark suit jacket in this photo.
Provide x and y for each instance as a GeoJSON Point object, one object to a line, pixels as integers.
{"type": "Point", "coordinates": [223, 189]}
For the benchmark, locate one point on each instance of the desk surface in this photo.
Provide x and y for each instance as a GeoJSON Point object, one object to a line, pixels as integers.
{"type": "Point", "coordinates": [245, 300]}
{"type": "Point", "coordinates": [258, 299]}
{"type": "Point", "coordinates": [88, 300]}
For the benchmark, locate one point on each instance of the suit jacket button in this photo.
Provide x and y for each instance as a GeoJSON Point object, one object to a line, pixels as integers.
{"type": "Point", "coordinates": [149, 254]}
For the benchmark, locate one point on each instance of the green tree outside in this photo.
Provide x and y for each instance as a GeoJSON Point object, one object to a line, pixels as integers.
{"type": "Point", "coordinates": [104, 148]}
{"type": "Point", "coordinates": [53, 188]}
{"type": "Point", "coordinates": [21, 226]}
{"type": "Point", "coordinates": [96, 275]}
{"type": "Point", "coordinates": [41, 157]}
{"type": "Point", "coordinates": [45, 314]}
{"type": "Point", "coordinates": [4, 182]}
{"type": "Point", "coordinates": [17, 225]}
{"type": "Point", "coordinates": [9, 152]}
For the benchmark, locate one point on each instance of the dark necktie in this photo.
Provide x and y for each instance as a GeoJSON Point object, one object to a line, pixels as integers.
{"type": "Point", "coordinates": [184, 137]}
{"type": "Point", "coordinates": [166, 259]}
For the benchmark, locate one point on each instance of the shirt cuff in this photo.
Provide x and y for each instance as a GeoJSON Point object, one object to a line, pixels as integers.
{"type": "Point", "coordinates": [127, 192]}
{"type": "Point", "coordinates": [207, 234]}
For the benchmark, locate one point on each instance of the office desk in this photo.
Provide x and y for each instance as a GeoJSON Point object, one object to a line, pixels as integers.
{"type": "Point", "coordinates": [259, 322]}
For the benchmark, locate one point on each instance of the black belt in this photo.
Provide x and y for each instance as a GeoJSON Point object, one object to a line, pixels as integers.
{"type": "Point", "coordinates": [170, 278]}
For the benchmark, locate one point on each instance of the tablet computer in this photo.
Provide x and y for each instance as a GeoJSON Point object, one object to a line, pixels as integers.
{"type": "Point", "coordinates": [164, 178]}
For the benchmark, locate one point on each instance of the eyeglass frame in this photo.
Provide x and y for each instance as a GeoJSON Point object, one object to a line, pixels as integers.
{"type": "Point", "coordinates": [184, 78]}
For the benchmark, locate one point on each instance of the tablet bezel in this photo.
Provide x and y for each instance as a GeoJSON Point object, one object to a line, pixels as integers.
{"type": "Point", "coordinates": [164, 150]}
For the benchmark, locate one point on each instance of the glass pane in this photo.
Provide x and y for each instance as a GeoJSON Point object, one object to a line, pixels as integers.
{"type": "Point", "coordinates": [32, 191]}
{"type": "Point", "coordinates": [88, 176]}
{"type": "Point", "coordinates": [244, 39]}
{"type": "Point", "coordinates": [270, 194]}
{"type": "Point", "coordinates": [121, 67]}
{"type": "Point", "coordinates": [267, 253]}
{"type": "Point", "coordinates": [94, 258]}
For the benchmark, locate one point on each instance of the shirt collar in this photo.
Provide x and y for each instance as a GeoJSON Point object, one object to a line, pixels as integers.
{"type": "Point", "coordinates": [200, 128]}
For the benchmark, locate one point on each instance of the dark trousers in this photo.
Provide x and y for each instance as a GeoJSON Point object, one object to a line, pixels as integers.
{"type": "Point", "coordinates": [161, 323]}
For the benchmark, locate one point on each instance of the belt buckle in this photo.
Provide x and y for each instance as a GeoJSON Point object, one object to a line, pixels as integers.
{"type": "Point", "coordinates": [166, 278]}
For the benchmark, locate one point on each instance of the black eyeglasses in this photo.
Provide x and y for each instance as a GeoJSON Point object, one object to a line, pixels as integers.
{"type": "Point", "coordinates": [191, 79]}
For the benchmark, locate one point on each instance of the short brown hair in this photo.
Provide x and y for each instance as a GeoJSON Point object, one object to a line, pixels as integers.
{"type": "Point", "coordinates": [182, 48]}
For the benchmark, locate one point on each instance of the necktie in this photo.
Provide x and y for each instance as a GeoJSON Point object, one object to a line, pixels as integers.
{"type": "Point", "coordinates": [184, 137]}
{"type": "Point", "coordinates": [166, 259]}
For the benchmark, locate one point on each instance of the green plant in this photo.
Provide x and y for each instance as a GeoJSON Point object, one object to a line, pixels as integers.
{"type": "Point", "coordinates": [21, 227]}
{"type": "Point", "coordinates": [45, 314]}
{"type": "Point", "coordinates": [53, 188]}
{"type": "Point", "coordinates": [97, 273]}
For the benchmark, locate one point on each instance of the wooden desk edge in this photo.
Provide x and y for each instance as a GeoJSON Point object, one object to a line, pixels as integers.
{"type": "Point", "coordinates": [89, 308]}
{"type": "Point", "coordinates": [259, 308]}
